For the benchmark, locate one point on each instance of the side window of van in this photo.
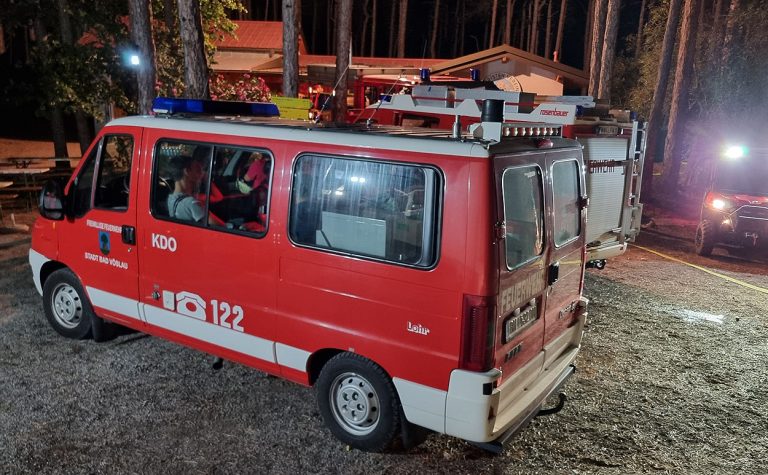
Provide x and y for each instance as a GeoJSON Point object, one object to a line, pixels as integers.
{"type": "Point", "coordinates": [111, 162]}
{"type": "Point", "coordinates": [380, 210]}
{"type": "Point", "coordinates": [522, 189]}
{"type": "Point", "coordinates": [221, 187]}
{"type": "Point", "coordinates": [565, 183]}
{"type": "Point", "coordinates": [114, 173]}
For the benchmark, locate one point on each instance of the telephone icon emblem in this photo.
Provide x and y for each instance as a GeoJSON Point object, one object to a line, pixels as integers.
{"type": "Point", "coordinates": [191, 305]}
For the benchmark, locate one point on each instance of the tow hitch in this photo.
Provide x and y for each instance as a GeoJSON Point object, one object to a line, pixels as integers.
{"type": "Point", "coordinates": [561, 398]}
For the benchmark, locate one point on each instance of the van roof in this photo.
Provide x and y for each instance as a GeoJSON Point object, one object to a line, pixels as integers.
{"type": "Point", "coordinates": [419, 140]}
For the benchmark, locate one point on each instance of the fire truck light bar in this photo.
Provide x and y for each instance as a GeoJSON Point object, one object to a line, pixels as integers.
{"type": "Point", "coordinates": [172, 105]}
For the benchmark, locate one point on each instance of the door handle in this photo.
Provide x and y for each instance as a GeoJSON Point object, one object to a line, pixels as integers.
{"type": "Point", "coordinates": [128, 233]}
{"type": "Point", "coordinates": [554, 273]}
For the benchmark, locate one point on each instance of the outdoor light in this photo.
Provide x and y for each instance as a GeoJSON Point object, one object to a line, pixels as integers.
{"type": "Point", "coordinates": [134, 60]}
{"type": "Point", "coordinates": [735, 152]}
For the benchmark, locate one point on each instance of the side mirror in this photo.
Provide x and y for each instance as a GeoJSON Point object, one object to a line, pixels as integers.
{"type": "Point", "coordinates": [52, 201]}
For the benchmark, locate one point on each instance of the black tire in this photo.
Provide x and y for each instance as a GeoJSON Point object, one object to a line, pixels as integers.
{"type": "Point", "coordinates": [373, 425]}
{"type": "Point", "coordinates": [705, 238]}
{"type": "Point", "coordinates": [66, 306]}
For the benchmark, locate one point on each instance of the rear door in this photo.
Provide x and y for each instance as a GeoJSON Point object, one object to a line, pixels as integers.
{"type": "Point", "coordinates": [566, 240]}
{"type": "Point", "coordinates": [521, 232]}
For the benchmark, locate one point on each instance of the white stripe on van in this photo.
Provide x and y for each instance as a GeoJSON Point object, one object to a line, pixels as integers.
{"type": "Point", "coordinates": [200, 330]}
{"type": "Point", "coordinates": [289, 356]}
{"type": "Point", "coordinates": [113, 302]}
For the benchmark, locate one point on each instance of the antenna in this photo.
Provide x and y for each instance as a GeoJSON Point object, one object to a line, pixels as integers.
{"type": "Point", "coordinates": [325, 102]}
{"type": "Point", "coordinates": [389, 92]}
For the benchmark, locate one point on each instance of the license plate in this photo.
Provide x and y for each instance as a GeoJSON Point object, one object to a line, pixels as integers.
{"type": "Point", "coordinates": [607, 130]}
{"type": "Point", "coordinates": [516, 323]}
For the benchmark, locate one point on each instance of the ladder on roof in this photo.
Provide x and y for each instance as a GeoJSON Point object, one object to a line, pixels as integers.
{"type": "Point", "coordinates": [633, 210]}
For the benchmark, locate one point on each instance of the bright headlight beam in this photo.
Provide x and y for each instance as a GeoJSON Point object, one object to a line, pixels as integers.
{"type": "Point", "coordinates": [735, 152]}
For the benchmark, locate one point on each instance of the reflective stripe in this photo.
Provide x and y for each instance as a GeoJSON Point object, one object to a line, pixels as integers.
{"type": "Point", "coordinates": [114, 303]}
{"type": "Point", "coordinates": [250, 345]}
{"type": "Point", "coordinates": [200, 330]}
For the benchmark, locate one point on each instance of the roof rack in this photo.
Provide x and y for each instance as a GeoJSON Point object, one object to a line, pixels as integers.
{"type": "Point", "coordinates": [467, 102]}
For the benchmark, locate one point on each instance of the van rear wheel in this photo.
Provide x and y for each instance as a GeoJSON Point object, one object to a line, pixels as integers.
{"type": "Point", "coordinates": [358, 402]}
{"type": "Point", "coordinates": [705, 238]}
{"type": "Point", "coordinates": [66, 306]}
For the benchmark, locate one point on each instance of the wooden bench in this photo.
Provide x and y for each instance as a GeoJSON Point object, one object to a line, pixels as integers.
{"type": "Point", "coordinates": [6, 199]}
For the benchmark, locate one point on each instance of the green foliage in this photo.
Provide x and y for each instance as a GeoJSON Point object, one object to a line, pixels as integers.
{"type": "Point", "coordinates": [87, 74]}
{"type": "Point", "coordinates": [635, 79]}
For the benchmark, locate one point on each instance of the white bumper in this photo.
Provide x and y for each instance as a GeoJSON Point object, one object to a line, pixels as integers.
{"type": "Point", "coordinates": [474, 410]}
{"type": "Point", "coordinates": [36, 262]}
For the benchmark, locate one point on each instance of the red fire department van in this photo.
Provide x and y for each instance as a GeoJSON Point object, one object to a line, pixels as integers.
{"type": "Point", "coordinates": [414, 279]}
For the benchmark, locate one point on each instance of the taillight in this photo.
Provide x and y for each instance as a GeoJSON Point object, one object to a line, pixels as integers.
{"type": "Point", "coordinates": [477, 333]}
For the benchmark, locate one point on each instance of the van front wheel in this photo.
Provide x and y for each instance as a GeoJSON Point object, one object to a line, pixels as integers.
{"type": "Point", "coordinates": [66, 306]}
{"type": "Point", "coordinates": [358, 402]}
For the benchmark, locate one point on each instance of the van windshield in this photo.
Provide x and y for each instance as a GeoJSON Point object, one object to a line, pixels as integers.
{"type": "Point", "coordinates": [749, 177]}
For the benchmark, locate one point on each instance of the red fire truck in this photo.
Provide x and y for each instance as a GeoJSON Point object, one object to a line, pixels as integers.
{"type": "Point", "coordinates": [613, 141]}
{"type": "Point", "coordinates": [415, 279]}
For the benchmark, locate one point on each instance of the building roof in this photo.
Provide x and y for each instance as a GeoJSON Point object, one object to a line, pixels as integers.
{"type": "Point", "coordinates": [516, 61]}
{"type": "Point", "coordinates": [251, 35]}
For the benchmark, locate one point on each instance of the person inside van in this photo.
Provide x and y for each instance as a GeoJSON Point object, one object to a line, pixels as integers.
{"type": "Point", "coordinates": [256, 175]}
{"type": "Point", "coordinates": [188, 173]}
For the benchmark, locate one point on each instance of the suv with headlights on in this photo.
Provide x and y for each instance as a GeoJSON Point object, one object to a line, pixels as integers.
{"type": "Point", "coordinates": [734, 213]}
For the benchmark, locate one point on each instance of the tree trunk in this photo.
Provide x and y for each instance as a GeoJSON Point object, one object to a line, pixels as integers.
{"type": "Point", "coordinates": [59, 136]}
{"type": "Point", "coordinates": [640, 24]}
{"type": "Point", "coordinates": [730, 26]}
{"type": "Point", "coordinates": [314, 27]}
{"type": "Point", "coordinates": [679, 109]}
{"type": "Point", "coordinates": [392, 32]}
{"type": "Point", "coordinates": [290, 49]}
{"type": "Point", "coordinates": [65, 29]}
{"type": "Point", "coordinates": [548, 35]}
{"type": "Point", "coordinates": [364, 33]}
{"type": "Point", "coordinates": [373, 28]}
{"type": "Point", "coordinates": [595, 60]}
{"type": "Point", "coordinates": [609, 49]}
{"type": "Point", "coordinates": [433, 42]}
{"type": "Point", "coordinates": [508, 23]}
{"type": "Point", "coordinates": [659, 95]}
{"type": "Point", "coordinates": [343, 53]}
{"type": "Point", "coordinates": [718, 32]}
{"type": "Point", "coordinates": [195, 62]}
{"type": "Point", "coordinates": [140, 12]}
{"type": "Point", "coordinates": [585, 57]}
{"type": "Point", "coordinates": [463, 29]}
{"type": "Point", "coordinates": [560, 26]}
{"type": "Point", "coordinates": [492, 33]}
{"type": "Point", "coordinates": [401, 28]}
{"type": "Point", "coordinates": [535, 14]}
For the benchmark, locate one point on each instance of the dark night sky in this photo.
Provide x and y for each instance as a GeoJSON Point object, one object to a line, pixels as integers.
{"type": "Point", "coordinates": [318, 28]}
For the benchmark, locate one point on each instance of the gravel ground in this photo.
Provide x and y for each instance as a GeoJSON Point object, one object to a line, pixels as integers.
{"type": "Point", "coordinates": [672, 379]}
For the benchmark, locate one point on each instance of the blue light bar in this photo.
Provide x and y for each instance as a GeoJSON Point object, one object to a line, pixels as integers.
{"type": "Point", "coordinates": [174, 105]}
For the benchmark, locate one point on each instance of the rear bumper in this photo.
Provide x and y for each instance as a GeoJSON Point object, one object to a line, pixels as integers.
{"type": "Point", "coordinates": [479, 412]}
